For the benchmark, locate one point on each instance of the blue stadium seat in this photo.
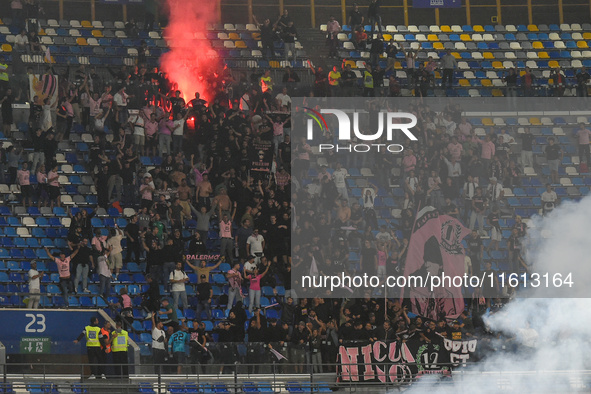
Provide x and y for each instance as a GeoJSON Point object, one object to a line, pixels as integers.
{"type": "Point", "coordinates": [99, 302]}
{"type": "Point", "coordinates": [190, 314]}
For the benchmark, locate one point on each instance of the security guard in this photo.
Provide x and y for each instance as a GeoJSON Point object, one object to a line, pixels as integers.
{"type": "Point", "coordinates": [3, 75]}
{"type": "Point", "coordinates": [93, 336]}
{"type": "Point", "coordinates": [119, 349]}
{"type": "Point", "coordinates": [368, 86]}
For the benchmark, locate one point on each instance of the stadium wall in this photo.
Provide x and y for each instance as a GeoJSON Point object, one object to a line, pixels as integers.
{"type": "Point", "coordinates": [44, 331]}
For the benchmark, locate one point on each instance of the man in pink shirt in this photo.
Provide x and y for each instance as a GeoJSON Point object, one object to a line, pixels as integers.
{"type": "Point", "coordinates": [69, 117]}
{"type": "Point", "coordinates": [324, 173]}
{"type": "Point", "coordinates": [150, 129]}
{"type": "Point", "coordinates": [409, 161]}
{"type": "Point", "coordinates": [165, 128]}
{"type": "Point", "coordinates": [99, 241]}
{"type": "Point", "coordinates": [23, 177]}
{"type": "Point", "coordinates": [332, 29]}
{"type": "Point", "coordinates": [583, 137]}
{"type": "Point", "coordinates": [488, 151]}
{"type": "Point", "coordinates": [146, 192]}
{"type": "Point", "coordinates": [63, 268]}
{"type": "Point", "coordinates": [455, 148]}
{"type": "Point", "coordinates": [227, 242]}
{"type": "Point", "coordinates": [53, 187]}
{"type": "Point", "coordinates": [465, 129]}
{"type": "Point", "coordinates": [254, 289]}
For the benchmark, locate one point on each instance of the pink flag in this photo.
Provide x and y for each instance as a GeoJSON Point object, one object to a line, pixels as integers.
{"type": "Point", "coordinates": [435, 247]}
{"type": "Point", "coordinates": [278, 355]}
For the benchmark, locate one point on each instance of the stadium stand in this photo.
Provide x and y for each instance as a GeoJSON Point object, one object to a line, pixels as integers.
{"type": "Point", "coordinates": [140, 179]}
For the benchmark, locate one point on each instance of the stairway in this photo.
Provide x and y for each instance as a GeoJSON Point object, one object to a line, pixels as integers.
{"type": "Point", "coordinates": [314, 43]}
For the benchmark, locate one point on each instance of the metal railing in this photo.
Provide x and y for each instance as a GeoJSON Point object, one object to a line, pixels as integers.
{"type": "Point", "coordinates": [240, 377]}
{"type": "Point", "coordinates": [235, 377]}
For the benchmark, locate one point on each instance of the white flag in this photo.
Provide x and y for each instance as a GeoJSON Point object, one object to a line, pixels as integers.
{"type": "Point", "coordinates": [313, 267]}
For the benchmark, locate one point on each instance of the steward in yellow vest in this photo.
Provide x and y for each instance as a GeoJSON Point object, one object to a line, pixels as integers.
{"type": "Point", "coordinates": [119, 346]}
{"type": "Point", "coordinates": [96, 358]}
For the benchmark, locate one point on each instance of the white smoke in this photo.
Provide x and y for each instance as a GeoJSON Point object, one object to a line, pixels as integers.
{"type": "Point", "coordinates": [558, 328]}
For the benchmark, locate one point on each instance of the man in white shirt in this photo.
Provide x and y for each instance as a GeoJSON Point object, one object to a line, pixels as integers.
{"type": "Point", "coordinates": [467, 265]}
{"type": "Point", "coordinates": [468, 192]}
{"type": "Point", "coordinates": [495, 192]}
{"type": "Point", "coordinates": [21, 42]}
{"type": "Point", "coordinates": [369, 196]}
{"type": "Point", "coordinates": [115, 258]}
{"type": "Point", "coordinates": [178, 132]}
{"type": "Point", "coordinates": [245, 102]}
{"type": "Point", "coordinates": [454, 169]}
{"type": "Point", "coordinates": [249, 266]}
{"type": "Point", "coordinates": [120, 99]}
{"type": "Point", "coordinates": [446, 122]}
{"type": "Point", "coordinates": [411, 182]}
{"type": "Point", "coordinates": [339, 175]}
{"type": "Point", "coordinates": [314, 188]}
{"type": "Point", "coordinates": [34, 286]}
{"type": "Point", "coordinates": [178, 278]}
{"type": "Point", "coordinates": [255, 244]}
{"type": "Point", "coordinates": [549, 199]}
{"type": "Point", "coordinates": [283, 99]}
{"type": "Point", "coordinates": [158, 344]}
{"type": "Point", "coordinates": [384, 235]}
{"type": "Point", "coordinates": [139, 136]}
{"type": "Point", "coordinates": [104, 273]}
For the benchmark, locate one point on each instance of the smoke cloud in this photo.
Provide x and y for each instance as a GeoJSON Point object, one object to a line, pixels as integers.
{"type": "Point", "coordinates": [558, 328]}
{"type": "Point", "coordinates": [191, 57]}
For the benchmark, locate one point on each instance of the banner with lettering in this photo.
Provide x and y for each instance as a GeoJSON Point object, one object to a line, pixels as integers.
{"type": "Point", "coordinates": [400, 362]}
{"type": "Point", "coordinates": [261, 157]}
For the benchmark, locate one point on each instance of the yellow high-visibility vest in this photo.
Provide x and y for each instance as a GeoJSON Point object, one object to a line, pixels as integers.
{"type": "Point", "coordinates": [367, 79]}
{"type": "Point", "coordinates": [266, 84]}
{"type": "Point", "coordinates": [3, 73]}
{"type": "Point", "coordinates": [92, 336]}
{"type": "Point", "coordinates": [334, 77]}
{"type": "Point", "coordinates": [120, 342]}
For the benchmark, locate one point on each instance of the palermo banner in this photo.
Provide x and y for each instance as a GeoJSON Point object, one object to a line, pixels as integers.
{"type": "Point", "coordinates": [402, 361]}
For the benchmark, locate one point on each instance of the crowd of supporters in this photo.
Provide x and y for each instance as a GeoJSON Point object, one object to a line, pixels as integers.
{"type": "Point", "coordinates": [199, 196]}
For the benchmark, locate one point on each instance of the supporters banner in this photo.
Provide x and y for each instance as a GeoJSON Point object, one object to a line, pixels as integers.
{"type": "Point", "coordinates": [435, 249]}
{"type": "Point", "coordinates": [261, 157]}
{"type": "Point", "coordinates": [436, 3]}
{"type": "Point", "coordinates": [402, 361]}
{"type": "Point", "coordinates": [44, 86]}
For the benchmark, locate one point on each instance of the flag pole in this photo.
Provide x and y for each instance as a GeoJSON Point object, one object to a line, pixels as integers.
{"type": "Point", "coordinates": [414, 224]}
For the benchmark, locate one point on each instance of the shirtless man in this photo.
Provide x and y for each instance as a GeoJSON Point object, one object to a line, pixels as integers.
{"type": "Point", "coordinates": [223, 199]}
{"type": "Point", "coordinates": [185, 193]}
{"type": "Point", "coordinates": [204, 191]}
{"type": "Point", "coordinates": [343, 212]}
